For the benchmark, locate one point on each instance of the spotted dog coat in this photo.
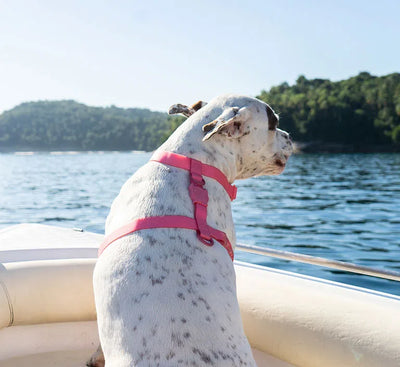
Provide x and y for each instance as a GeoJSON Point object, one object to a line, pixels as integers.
{"type": "Point", "coordinates": [162, 297]}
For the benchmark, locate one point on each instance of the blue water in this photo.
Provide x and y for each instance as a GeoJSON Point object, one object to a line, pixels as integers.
{"type": "Point", "coordinates": [341, 207]}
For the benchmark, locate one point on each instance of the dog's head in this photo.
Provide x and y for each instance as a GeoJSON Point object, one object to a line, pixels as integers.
{"type": "Point", "coordinates": [247, 129]}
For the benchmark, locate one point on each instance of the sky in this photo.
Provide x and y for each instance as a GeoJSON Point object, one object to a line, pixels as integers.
{"type": "Point", "coordinates": [153, 54]}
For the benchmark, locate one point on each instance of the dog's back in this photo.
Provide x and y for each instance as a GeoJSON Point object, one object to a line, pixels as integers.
{"type": "Point", "coordinates": [163, 298]}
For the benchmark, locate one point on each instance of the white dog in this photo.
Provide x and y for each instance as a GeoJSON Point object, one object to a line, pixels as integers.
{"type": "Point", "coordinates": [163, 297]}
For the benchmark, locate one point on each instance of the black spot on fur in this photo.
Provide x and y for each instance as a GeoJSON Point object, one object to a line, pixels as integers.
{"type": "Point", "coordinates": [155, 281]}
{"type": "Point", "coordinates": [203, 356]}
{"type": "Point", "coordinates": [176, 340]}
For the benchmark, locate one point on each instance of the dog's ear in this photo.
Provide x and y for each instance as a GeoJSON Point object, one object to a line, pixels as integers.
{"type": "Point", "coordinates": [180, 109]}
{"type": "Point", "coordinates": [229, 123]}
{"type": "Point", "coordinates": [199, 104]}
{"type": "Point", "coordinates": [185, 110]}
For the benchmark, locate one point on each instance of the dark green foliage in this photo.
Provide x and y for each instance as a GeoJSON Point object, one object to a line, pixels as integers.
{"type": "Point", "coordinates": [362, 110]}
{"type": "Point", "coordinates": [173, 122]}
{"type": "Point", "coordinates": [68, 125]}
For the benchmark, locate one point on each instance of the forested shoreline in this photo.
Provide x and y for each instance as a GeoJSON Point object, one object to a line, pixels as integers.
{"type": "Point", "coordinates": [68, 125]}
{"type": "Point", "coordinates": [359, 114]}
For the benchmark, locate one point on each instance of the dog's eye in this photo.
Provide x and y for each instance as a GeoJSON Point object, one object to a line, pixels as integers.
{"type": "Point", "coordinates": [273, 119]}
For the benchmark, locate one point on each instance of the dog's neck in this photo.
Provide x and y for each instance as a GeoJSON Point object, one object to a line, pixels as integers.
{"type": "Point", "coordinates": [217, 152]}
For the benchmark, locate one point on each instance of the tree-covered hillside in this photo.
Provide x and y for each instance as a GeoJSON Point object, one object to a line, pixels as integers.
{"type": "Point", "coordinates": [68, 125]}
{"type": "Point", "coordinates": [362, 110]}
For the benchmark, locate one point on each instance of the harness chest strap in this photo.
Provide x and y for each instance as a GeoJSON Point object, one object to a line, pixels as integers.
{"type": "Point", "coordinates": [199, 197]}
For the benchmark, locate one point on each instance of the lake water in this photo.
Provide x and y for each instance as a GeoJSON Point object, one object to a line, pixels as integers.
{"type": "Point", "coordinates": [341, 207]}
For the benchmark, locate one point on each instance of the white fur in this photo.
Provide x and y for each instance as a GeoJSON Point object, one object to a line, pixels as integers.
{"type": "Point", "coordinates": [163, 298]}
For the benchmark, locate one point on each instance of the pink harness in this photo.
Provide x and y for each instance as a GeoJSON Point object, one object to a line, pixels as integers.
{"type": "Point", "coordinates": [199, 196]}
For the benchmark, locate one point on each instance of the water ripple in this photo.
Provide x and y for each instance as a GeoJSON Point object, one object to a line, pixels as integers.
{"type": "Point", "coordinates": [342, 207]}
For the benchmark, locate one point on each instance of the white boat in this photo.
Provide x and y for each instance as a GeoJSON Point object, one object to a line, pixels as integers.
{"type": "Point", "coordinates": [48, 318]}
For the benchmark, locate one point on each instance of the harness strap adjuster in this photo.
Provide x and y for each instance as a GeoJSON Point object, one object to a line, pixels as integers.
{"type": "Point", "coordinates": [196, 172]}
{"type": "Point", "coordinates": [198, 194]}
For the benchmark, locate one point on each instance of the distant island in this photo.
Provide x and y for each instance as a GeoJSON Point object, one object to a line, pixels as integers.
{"type": "Point", "coordinates": [68, 125]}
{"type": "Point", "coordinates": [360, 114]}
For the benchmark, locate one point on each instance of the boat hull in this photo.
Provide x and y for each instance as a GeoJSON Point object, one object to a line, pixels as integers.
{"type": "Point", "coordinates": [47, 313]}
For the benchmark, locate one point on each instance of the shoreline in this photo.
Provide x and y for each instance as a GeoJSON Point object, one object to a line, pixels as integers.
{"type": "Point", "coordinates": [316, 147]}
